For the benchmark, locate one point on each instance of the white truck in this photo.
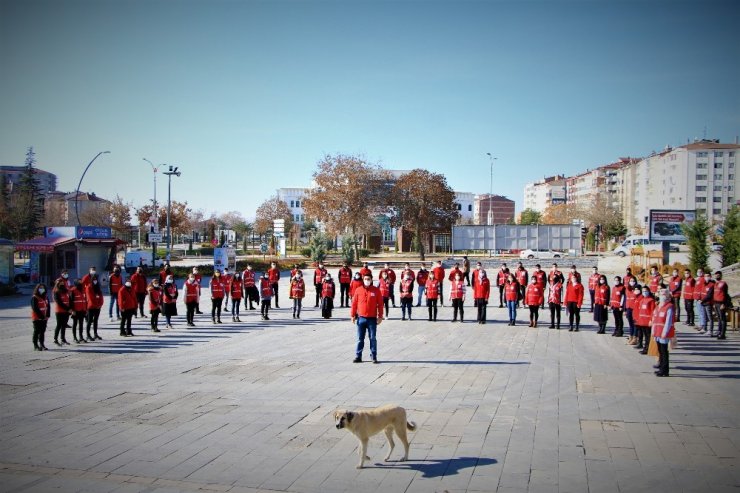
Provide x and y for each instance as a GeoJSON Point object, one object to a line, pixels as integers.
{"type": "Point", "coordinates": [143, 258]}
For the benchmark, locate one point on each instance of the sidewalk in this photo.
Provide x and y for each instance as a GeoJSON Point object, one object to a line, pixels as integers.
{"type": "Point", "coordinates": [248, 407]}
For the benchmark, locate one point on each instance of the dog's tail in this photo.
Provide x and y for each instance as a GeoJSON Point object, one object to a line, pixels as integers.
{"type": "Point", "coordinates": [410, 425]}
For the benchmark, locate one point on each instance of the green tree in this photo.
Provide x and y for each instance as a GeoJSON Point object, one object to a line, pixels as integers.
{"type": "Point", "coordinates": [530, 216]}
{"type": "Point", "coordinates": [696, 238]}
{"type": "Point", "coordinates": [26, 203]}
{"type": "Point", "coordinates": [349, 243]}
{"type": "Point", "coordinates": [730, 240]}
{"type": "Point", "coordinates": [318, 246]}
{"type": "Point", "coordinates": [4, 208]}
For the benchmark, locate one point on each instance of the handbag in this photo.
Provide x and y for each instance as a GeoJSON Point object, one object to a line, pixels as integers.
{"type": "Point", "coordinates": [653, 348]}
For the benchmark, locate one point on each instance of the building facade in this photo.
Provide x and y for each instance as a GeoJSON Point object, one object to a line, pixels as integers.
{"type": "Point", "coordinates": [47, 181]}
{"type": "Point", "coordinates": [294, 198]}
{"type": "Point", "coordinates": [541, 194]}
{"type": "Point", "coordinates": [493, 209]}
{"type": "Point", "coordinates": [60, 208]}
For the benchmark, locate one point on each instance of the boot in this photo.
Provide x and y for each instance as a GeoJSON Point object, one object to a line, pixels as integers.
{"type": "Point", "coordinates": [535, 324]}
{"type": "Point", "coordinates": [233, 319]}
{"type": "Point", "coordinates": [219, 320]}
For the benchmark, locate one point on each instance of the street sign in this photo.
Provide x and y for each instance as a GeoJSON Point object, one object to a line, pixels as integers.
{"type": "Point", "coordinates": [263, 248]}
{"type": "Point", "coordinates": [155, 238]}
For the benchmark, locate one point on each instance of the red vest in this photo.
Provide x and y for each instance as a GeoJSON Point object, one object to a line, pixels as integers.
{"type": "Point", "coordinates": [556, 294]}
{"type": "Point", "coordinates": [708, 286]}
{"type": "Point", "coordinates": [345, 275]}
{"type": "Point", "coordinates": [512, 291]}
{"type": "Point", "coordinates": [688, 288]}
{"type": "Point", "coordinates": [191, 291]}
{"type": "Point", "coordinates": [169, 293]}
{"type": "Point", "coordinates": [42, 304]}
{"type": "Point", "coordinates": [632, 297]}
{"type": "Point", "coordinates": [248, 278]}
{"type": "Point", "coordinates": [235, 289]}
{"type": "Point", "coordinates": [319, 275]}
{"type": "Point", "coordinates": [645, 308]}
{"type": "Point", "coordinates": [540, 276]}
{"type": "Point", "coordinates": [356, 283]}
{"type": "Point", "coordinates": [522, 276]}
{"type": "Point", "coordinates": [593, 281]}
{"type": "Point", "coordinates": [405, 289]}
{"type": "Point", "coordinates": [655, 282]}
{"type": "Point", "coordinates": [454, 272]}
{"type": "Point", "coordinates": [601, 294]}
{"type": "Point", "coordinates": [501, 277]}
{"type": "Point", "coordinates": [265, 289]}
{"type": "Point", "coordinates": [617, 294]}
{"type": "Point", "coordinates": [421, 277]}
{"type": "Point", "coordinates": [673, 285]}
{"type": "Point", "coordinates": [79, 300]}
{"type": "Point", "coordinates": [719, 291]}
{"type": "Point", "coordinates": [482, 289]}
{"type": "Point", "coordinates": [298, 289]}
{"type": "Point", "coordinates": [439, 273]}
{"type": "Point", "coordinates": [659, 318]}
{"type": "Point", "coordinates": [327, 289]}
{"type": "Point", "coordinates": [64, 296]}
{"type": "Point", "coordinates": [534, 295]}
{"type": "Point", "coordinates": [384, 286]}
{"type": "Point", "coordinates": [217, 288]}
{"type": "Point", "coordinates": [273, 274]}
{"type": "Point", "coordinates": [457, 290]}
{"type": "Point", "coordinates": [553, 274]}
{"type": "Point", "coordinates": [155, 299]}
{"type": "Point", "coordinates": [432, 288]}
{"type": "Point", "coordinates": [699, 288]}
{"type": "Point", "coordinates": [138, 281]}
{"type": "Point", "coordinates": [391, 275]}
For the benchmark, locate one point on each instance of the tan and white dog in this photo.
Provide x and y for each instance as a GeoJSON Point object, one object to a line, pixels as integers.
{"type": "Point", "coordinates": [364, 424]}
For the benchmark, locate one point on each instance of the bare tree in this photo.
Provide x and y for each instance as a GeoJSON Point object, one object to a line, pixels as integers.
{"type": "Point", "coordinates": [271, 209]}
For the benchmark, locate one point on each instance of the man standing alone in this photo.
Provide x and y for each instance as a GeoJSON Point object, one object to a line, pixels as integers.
{"type": "Point", "coordinates": [367, 312]}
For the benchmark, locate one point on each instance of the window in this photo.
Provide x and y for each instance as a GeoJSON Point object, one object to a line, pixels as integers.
{"type": "Point", "coordinates": [701, 154]}
{"type": "Point", "coordinates": [701, 165]}
{"type": "Point", "coordinates": [730, 188]}
{"type": "Point", "coordinates": [718, 153]}
{"type": "Point", "coordinates": [701, 199]}
{"type": "Point", "coordinates": [701, 211]}
{"type": "Point", "coordinates": [731, 165]}
{"type": "Point", "coordinates": [470, 207]}
{"type": "Point", "coordinates": [717, 165]}
{"type": "Point", "coordinates": [718, 188]}
{"type": "Point", "coordinates": [731, 153]}
{"type": "Point", "coordinates": [303, 217]}
{"type": "Point", "coordinates": [297, 203]}
{"type": "Point", "coordinates": [459, 207]}
{"type": "Point", "coordinates": [296, 218]}
{"type": "Point", "coordinates": [292, 203]}
{"type": "Point", "coordinates": [717, 200]}
{"type": "Point", "coordinates": [718, 176]}
{"type": "Point", "coordinates": [717, 211]}
{"type": "Point", "coordinates": [731, 177]}
{"type": "Point", "coordinates": [701, 188]}
{"type": "Point", "coordinates": [701, 177]}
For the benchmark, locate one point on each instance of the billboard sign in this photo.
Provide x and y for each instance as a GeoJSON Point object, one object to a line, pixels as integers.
{"type": "Point", "coordinates": [59, 231]}
{"type": "Point", "coordinates": [94, 232]}
{"type": "Point", "coordinates": [665, 225]}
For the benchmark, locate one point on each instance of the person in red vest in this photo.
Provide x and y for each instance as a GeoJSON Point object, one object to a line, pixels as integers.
{"type": "Point", "coordinates": [501, 281]}
{"type": "Point", "coordinates": [457, 296]}
{"type": "Point", "coordinates": [40, 313]}
{"type": "Point", "coordinates": [190, 294]}
{"type": "Point", "coordinates": [602, 297]}
{"type": "Point", "coordinates": [541, 277]}
{"type": "Point", "coordinates": [273, 274]}
{"type": "Point", "coordinates": [481, 293]}
{"type": "Point", "coordinates": [687, 293]}
{"type": "Point", "coordinates": [707, 304]}
{"type": "Point", "coordinates": [617, 302]}
{"type": "Point", "coordinates": [476, 273]}
{"type": "Point", "coordinates": [251, 292]}
{"type": "Point", "coordinates": [127, 302]}
{"type": "Point", "coordinates": [365, 271]}
{"type": "Point", "coordinates": [199, 282]}
{"type": "Point", "coordinates": [95, 303]}
{"type": "Point", "coordinates": [555, 301]}
{"type": "Point", "coordinates": [87, 278]}
{"type": "Point", "coordinates": [318, 279]}
{"type": "Point", "coordinates": [297, 293]}
{"type": "Point", "coordinates": [235, 289]}
{"type": "Point", "coordinates": [226, 278]}
{"type": "Point", "coordinates": [218, 291]}
{"type": "Point", "coordinates": [62, 310]}
{"type": "Point", "coordinates": [533, 298]}
{"type": "Point", "coordinates": [384, 287]}
{"type": "Point", "coordinates": [511, 296]}
{"type": "Point", "coordinates": [454, 272]}
{"type": "Point", "coordinates": [593, 283]}
{"type": "Point", "coordinates": [722, 302]}
{"type": "Point", "coordinates": [522, 277]}
{"type": "Point", "coordinates": [698, 295]}
{"type": "Point", "coordinates": [432, 293]}
{"type": "Point", "coordinates": [391, 282]}
{"type": "Point", "coordinates": [328, 291]}
{"type": "Point", "coordinates": [421, 283]}
{"type": "Point", "coordinates": [675, 284]}
{"type": "Point", "coordinates": [295, 271]}
{"type": "Point", "coordinates": [367, 312]}
{"type": "Point", "coordinates": [628, 277]}
{"type": "Point", "coordinates": [115, 283]}
{"type": "Point", "coordinates": [655, 281]}
{"type": "Point", "coordinates": [663, 330]}
{"type": "Point", "coordinates": [569, 282]}
{"type": "Point", "coordinates": [574, 301]}
{"type": "Point", "coordinates": [78, 302]}
{"type": "Point", "coordinates": [439, 273]}
{"type": "Point", "coordinates": [138, 281]}
{"type": "Point", "coordinates": [169, 300]}
{"type": "Point", "coordinates": [406, 293]}
{"type": "Point", "coordinates": [354, 284]}
{"type": "Point", "coordinates": [154, 292]}
{"type": "Point", "coordinates": [345, 278]}
{"type": "Point", "coordinates": [265, 295]}
{"type": "Point", "coordinates": [644, 318]}
{"type": "Point", "coordinates": [634, 291]}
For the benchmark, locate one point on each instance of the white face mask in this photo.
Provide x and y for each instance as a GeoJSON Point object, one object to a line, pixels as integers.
{"type": "Point", "coordinates": [367, 282]}
{"type": "Point", "coordinates": [95, 282]}
{"type": "Point", "coordinates": [663, 298]}
{"type": "Point", "coordinates": [92, 272]}
{"type": "Point", "coordinates": [65, 276]}
{"type": "Point", "coordinates": [42, 290]}
{"type": "Point", "coordinates": [128, 284]}
{"type": "Point", "coordinates": [601, 281]}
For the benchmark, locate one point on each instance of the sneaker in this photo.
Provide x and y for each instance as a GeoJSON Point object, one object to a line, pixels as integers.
{"type": "Point", "coordinates": [357, 360]}
{"type": "Point", "coordinates": [375, 361]}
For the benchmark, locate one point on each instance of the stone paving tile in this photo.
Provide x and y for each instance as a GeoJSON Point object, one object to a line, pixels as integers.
{"type": "Point", "coordinates": [248, 407]}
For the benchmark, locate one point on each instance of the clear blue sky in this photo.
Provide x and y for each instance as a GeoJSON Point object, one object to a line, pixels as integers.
{"type": "Point", "coordinates": [246, 96]}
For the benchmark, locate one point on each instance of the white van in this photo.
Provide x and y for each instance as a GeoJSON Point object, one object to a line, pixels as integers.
{"type": "Point", "coordinates": [141, 258]}
{"type": "Point", "coordinates": [634, 241]}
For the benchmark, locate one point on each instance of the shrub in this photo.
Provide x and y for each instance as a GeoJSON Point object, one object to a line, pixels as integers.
{"type": "Point", "coordinates": [306, 252]}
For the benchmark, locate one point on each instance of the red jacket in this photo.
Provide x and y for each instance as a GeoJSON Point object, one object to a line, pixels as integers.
{"type": "Point", "coordinates": [391, 275]}
{"type": "Point", "coordinates": [632, 296]}
{"type": "Point", "coordinates": [127, 299]}
{"type": "Point", "coordinates": [115, 282]}
{"type": "Point", "coordinates": [273, 273]}
{"type": "Point", "coordinates": [482, 289]}
{"type": "Point", "coordinates": [454, 272]}
{"type": "Point", "coordinates": [266, 291]}
{"type": "Point", "coordinates": [439, 273]}
{"type": "Point", "coordinates": [699, 288]}
{"type": "Point", "coordinates": [645, 309]}
{"type": "Point", "coordinates": [574, 294]}
{"type": "Point", "coordinates": [501, 277]}
{"type": "Point", "coordinates": [94, 300]}
{"type": "Point", "coordinates": [138, 282]}
{"type": "Point", "coordinates": [356, 283]}
{"type": "Point", "coordinates": [169, 293]}
{"type": "Point", "coordinates": [155, 299]}
{"type": "Point", "coordinates": [367, 303]}
{"type": "Point", "coordinates": [534, 295]}
{"type": "Point", "coordinates": [421, 277]}
{"type": "Point", "coordinates": [674, 285]}
{"type": "Point", "coordinates": [655, 282]}
{"type": "Point", "coordinates": [365, 271]}
{"type": "Point", "coordinates": [62, 296]}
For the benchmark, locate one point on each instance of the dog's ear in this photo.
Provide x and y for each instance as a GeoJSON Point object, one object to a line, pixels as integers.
{"type": "Point", "coordinates": [350, 415]}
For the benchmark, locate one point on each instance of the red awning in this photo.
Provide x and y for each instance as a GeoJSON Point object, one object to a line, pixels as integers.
{"type": "Point", "coordinates": [43, 244]}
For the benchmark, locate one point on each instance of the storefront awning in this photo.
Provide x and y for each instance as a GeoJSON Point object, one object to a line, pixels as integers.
{"type": "Point", "coordinates": [42, 244]}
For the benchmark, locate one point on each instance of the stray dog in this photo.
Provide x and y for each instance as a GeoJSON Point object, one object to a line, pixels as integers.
{"type": "Point", "coordinates": [365, 424]}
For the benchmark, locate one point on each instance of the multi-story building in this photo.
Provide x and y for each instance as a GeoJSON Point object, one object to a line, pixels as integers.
{"type": "Point", "coordinates": [465, 202]}
{"type": "Point", "coordinates": [47, 181]}
{"type": "Point", "coordinates": [59, 207]}
{"type": "Point", "coordinates": [493, 209]}
{"type": "Point", "coordinates": [541, 194]}
{"type": "Point", "coordinates": [294, 198]}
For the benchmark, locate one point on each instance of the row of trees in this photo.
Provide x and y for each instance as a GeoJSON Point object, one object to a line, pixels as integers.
{"type": "Point", "coordinates": [598, 212]}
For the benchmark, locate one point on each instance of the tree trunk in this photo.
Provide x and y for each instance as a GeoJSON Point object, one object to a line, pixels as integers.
{"type": "Point", "coordinates": [356, 244]}
{"type": "Point", "coordinates": [421, 244]}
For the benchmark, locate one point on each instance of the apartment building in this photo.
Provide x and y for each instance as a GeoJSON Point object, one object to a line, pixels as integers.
{"type": "Point", "coordinates": [47, 181]}
{"type": "Point", "coordinates": [492, 209]}
{"type": "Point", "coordinates": [541, 194]}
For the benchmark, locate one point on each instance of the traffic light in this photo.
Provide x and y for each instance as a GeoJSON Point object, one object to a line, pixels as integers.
{"type": "Point", "coordinates": [583, 232]}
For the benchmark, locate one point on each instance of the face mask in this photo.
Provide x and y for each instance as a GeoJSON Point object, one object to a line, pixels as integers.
{"type": "Point", "coordinates": [42, 290]}
{"type": "Point", "coordinates": [646, 293]}
{"type": "Point", "coordinates": [155, 286]}
{"type": "Point", "coordinates": [675, 274]}
{"type": "Point", "coordinates": [663, 298]}
{"type": "Point", "coordinates": [298, 277]}
{"type": "Point", "coordinates": [367, 282]}
{"type": "Point", "coordinates": [632, 283]}
{"type": "Point", "coordinates": [92, 272]}
{"type": "Point", "coordinates": [192, 279]}
{"type": "Point", "coordinates": [601, 281]}
{"type": "Point", "coordinates": [128, 284]}
{"type": "Point", "coordinates": [95, 282]}
{"type": "Point", "coordinates": [457, 278]}
{"type": "Point", "coordinates": [575, 281]}
{"type": "Point", "coordinates": [65, 276]}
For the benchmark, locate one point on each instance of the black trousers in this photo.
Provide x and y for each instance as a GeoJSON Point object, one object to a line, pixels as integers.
{"type": "Point", "coordinates": [457, 305]}
{"type": "Point", "coordinates": [141, 298]}
{"type": "Point", "coordinates": [78, 320]}
{"type": "Point", "coordinates": [481, 304]}
{"type": "Point", "coordinates": [61, 328]}
{"type": "Point", "coordinates": [385, 304]}
{"type": "Point", "coordinates": [432, 307]}
{"type": "Point", "coordinates": [297, 305]}
{"type": "Point", "coordinates": [275, 292]}
{"type": "Point", "coordinates": [190, 309]}
{"type": "Point", "coordinates": [265, 308]}
{"type": "Point", "coordinates": [501, 290]}
{"type": "Point", "coordinates": [677, 307]}
{"type": "Point", "coordinates": [574, 312]}
{"type": "Point", "coordinates": [126, 316]}
{"type": "Point", "coordinates": [406, 303]}
{"type": "Point", "coordinates": [92, 321]}
{"type": "Point", "coordinates": [643, 334]}
{"type": "Point", "coordinates": [554, 314]}
{"type": "Point", "coordinates": [689, 306]}
{"type": "Point", "coordinates": [618, 321]}
{"type": "Point", "coordinates": [466, 277]}
{"type": "Point", "coordinates": [663, 358]}
{"type": "Point", "coordinates": [39, 329]}
{"type": "Point", "coordinates": [216, 307]}
{"type": "Point", "coordinates": [721, 314]}
{"type": "Point", "coordinates": [154, 320]}
{"type": "Point", "coordinates": [534, 313]}
{"type": "Point", "coordinates": [344, 294]}
{"type": "Point", "coordinates": [318, 293]}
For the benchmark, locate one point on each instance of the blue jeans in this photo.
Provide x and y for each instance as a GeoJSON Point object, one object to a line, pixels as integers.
{"type": "Point", "coordinates": [420, 291]}
{"type": "Point", "coordinates": [369, 325]}
{"type": "Point", "coordinates": [511, 305]}
{"type": "Point", "coordinates": [702, 315]}
{"type": "Point", "coordinates": [114, 301]}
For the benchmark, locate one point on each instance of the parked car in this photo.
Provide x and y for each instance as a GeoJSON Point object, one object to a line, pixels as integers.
{"type": "Point", "coordinates": [530, 254]}
{"type": "Point", "coordinates": [716, 247]}
{"type": "Point", "coordinates": [22, 273]}
{"type": "Point", "coordinates": [633, 241]}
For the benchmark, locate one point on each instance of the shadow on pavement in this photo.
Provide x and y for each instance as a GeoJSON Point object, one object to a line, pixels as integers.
{"type": "Point", "coordinates": [432, 468]}
{"type": "Point", "coordinates": [458, 362]}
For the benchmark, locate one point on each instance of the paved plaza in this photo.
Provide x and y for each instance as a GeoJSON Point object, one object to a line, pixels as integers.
{"type": "Point", "coordinates": [246, 407]}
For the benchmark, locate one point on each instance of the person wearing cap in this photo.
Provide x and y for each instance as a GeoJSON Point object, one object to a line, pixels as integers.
{"type": "Point", "coordinates": [328, 290]}
{"type": "Point", "coordinates": [367, 312]}
{"type": "Point", "coordinates": [297, 293]}
{"type": "Point", "coordinates": [722, 302]}
{"type": "Point", "coordinates": [169, 299]}
{"type": "Point", "coordinates": [663, 329]}
{"type": "Point", "coordinates": [345, 278]}
{"type": "Point", "coordinates": [274, 275]}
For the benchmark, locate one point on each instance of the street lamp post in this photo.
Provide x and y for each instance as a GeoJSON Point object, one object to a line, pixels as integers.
{"type": "Point", "coordinates": [77, 195]}
{"type": "Point", "coordinates": [490, 195]}
{"type": "Point", "coordinates": [172, 171]}
{"type": "Point", "coordinates": [155, 168]}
